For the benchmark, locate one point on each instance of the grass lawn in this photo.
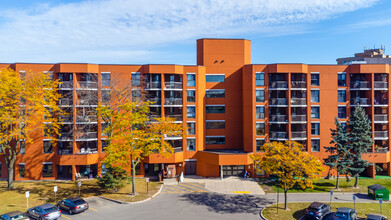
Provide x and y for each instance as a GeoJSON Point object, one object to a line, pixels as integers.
{"type": "Point", "coordinates": [42, 192]}
{"type": "Point", "coordinates": [325, 185]}
{"type": "Point", "coordinates": [296, 210]}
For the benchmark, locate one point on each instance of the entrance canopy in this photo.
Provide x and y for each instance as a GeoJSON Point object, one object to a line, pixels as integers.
{"type": "Point", "coordinates": [225, 157]}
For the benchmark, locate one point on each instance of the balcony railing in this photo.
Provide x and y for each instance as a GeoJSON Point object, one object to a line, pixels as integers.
{"type": "Point", "coordinates": [282, 135]}
{"type": "Point", "coordinates": [152, 85]}
{"type": "Point", "coordinates": [65, 151]}
{"type": "Point", "coordinates": [86, 135]}
{"type": "Point", "coordinates": [66, 118]}
{"type": "Point", "coordinates": [175, 117]}
{"type": "Point", "coordinates": [87, 151]}
{"type": "Point", "coordinates": [173, 101]}
{"type": "Point", "coordinates": [260, 115]}
{"type": "Point", "coordinates": [278, 118]}
{"type": "Point", "coordinates": [88, 85]}
{"type": "Point", "coordinates": [153, 117]}
{"type": "Point", "coordinates": [65, 85]}
{"type": "Point", "coordinates": [381, 117]}
{"type": "Point", "coordinates": [381, 101]}
{"type": "Point", "coordinates": [172, 85]}
{"type": "Point", "coordinates": [66, 135]}
{"type": "Point", "coordinates": [360, 84]}
{"type": "Point", "coordinates": [65, 101]}
{"type": "Point", "coordinates": [381, 85]}
{"type": "Point", "coordinates": [299, 134]}
{"type": "Point", "coordinates": [299, 118]}
{"type": "Point", "coordinates": [86, 118]}
{"type": "Point", "coordinates": [298, 101]}
{"type": "Point", "coordinates": [278, 101]}
{"type": "Point", "coordinates": [279, 84]}
{"type": "Point", "coordinates": [381, 134]}
{"type": "Point", "coordinates": [298, 84]}
{"type": "Point", "coordinates": [378, 150]}
{"type": "Point", "coordinates": [178, 149]}
{"type": "Point", "coordinates": [156, 101]}
{"type": "Point", "coordinates": [360, 101]}
{"type": "Point", "coordinates": [87, 101]}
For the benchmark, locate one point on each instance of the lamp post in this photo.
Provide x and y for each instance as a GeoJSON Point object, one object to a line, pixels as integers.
{"type": "Point", "coordinates": [278, 193]}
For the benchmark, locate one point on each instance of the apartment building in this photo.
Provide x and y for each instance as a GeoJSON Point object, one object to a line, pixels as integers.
{"type": "Point", "coordinates": [228, 107]}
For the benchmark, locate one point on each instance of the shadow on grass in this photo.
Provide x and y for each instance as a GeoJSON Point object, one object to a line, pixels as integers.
{"type": "Point", "coordinates": [298, 214]}
{"type": "Point", "coordinates": [227, 204]}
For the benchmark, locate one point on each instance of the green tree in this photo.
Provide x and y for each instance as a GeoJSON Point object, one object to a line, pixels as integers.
{"type": "Point", "coordinates": [337, 160]}
{"type": "Point", "coordinates": [113, 179]}
{"type": "Point", "coordinates": [360, 140]}
{"type": "Point", "coordinates": [290, 164]}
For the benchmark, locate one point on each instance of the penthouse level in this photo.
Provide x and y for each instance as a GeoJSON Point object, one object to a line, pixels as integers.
{"type": "Point", "coordinates": [228, 107]}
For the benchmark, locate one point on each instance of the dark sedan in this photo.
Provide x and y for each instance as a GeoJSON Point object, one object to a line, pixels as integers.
{"type": "Point", "coordinates": [15, 215]}
{"type": "Point", "coordinates": [73, 205]}
{"type": "Point", "coordinates": [46, 211]}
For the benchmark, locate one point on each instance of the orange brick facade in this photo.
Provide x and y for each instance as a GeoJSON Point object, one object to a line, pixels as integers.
{"type": "Point", "coordinates": [227, 105]}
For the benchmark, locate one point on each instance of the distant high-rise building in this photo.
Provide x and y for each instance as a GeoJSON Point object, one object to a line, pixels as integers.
{"type": "Point", "coordinates": [370, 56]}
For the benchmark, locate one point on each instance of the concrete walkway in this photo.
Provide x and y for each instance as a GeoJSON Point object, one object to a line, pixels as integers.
{"type": "Point", "coordinates": [229, 185]}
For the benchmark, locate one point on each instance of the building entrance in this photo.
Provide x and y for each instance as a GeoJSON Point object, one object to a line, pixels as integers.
{"type": "Point", "coordinates": [190, 167]}
{"type": "Point", "coordinates": [233, 170]}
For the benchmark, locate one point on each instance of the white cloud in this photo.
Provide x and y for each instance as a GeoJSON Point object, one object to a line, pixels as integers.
{"type": "Point", "coordinates": [90, 30]}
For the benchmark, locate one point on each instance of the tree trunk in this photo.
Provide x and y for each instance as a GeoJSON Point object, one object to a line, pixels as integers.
{"type": "Point", "coordinates": [133, 178]}
{"type": "Point", "coordinates": [337, 183]}
{"type": "Point", "coordinates": [10, 170]}
{"type": "Point", "coordinates": [356, 182]}
{"type": "Point", "coordinates": [286, 199]}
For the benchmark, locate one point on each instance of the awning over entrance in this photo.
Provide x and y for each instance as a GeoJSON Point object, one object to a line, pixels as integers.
{"type": "Point", "coordinates": [225, 157]}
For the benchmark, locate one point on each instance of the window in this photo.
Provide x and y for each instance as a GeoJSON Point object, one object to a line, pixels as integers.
{"type": "Point", "coordinates": [191, 128]}
{"type": "Point", "coordinates": [105, 79]}
{"type": "Point", "coordinates": [21, 170]}
{"type": "Point", "coordinates": [215, 109]}
{"type": "Point", "coordinates": [260, 112]}
{"type": "Point", "coordinates": [103, 128]}
{"type": "Point", "coordinates": [47, 147]}
{"type": "Point", "coordinates": [138, 169]}
{"type": "Point", "coordinates": [106, 97]}
{"type": "Point", "coordinates": [259, 144]}
{"type": "Point", "coordinates": [215, 93]}
{"type": "Point", "coordinates": [191, 80]}
{"type": "Point", "coordinates": [341, 79]}
{"type": "Point", "coordinates": [260, 95]}
{"type": "Point", "coordinates": [259, 79]}
{"type": "Point", "coordinates": [215, 78]}
{"type": "Point", "coordinates": [22, 148]}
{"type": "Point", "coordinates": [136, 80]}
{"type": "Point", "coordinates": [104, 144]}
{"type": "Point", "coordinates": [341, 111]}
{"type": "Point", "coordinates": [315, 112]}
{"type": "Point", "coordinates": [341, 95]}
{"type": "Point", "coordinates": [214, 140]}
{"type": "Point", "coordinates": [47, 169]}
{"type": "Point", "coordinates": [315, 128]}
{"type": "Point", "coordinates": [136, 96]}
{"type": "Point", "coordinates": [215, 124]}
{"type": "Point", "coordinates": [314, 79]}
{"type": "Point", "coordinates": [260, 128]}
{"type": "Point", "coordinates": [314, 95]}
{"type": "Point", "coordinates": [191, 96]}
{"type": "Point", "coordinates": [315, 145]}
{"type": "Point", "coordinates": [190, 111]}
{"type": "Point", "coordinates": [190, 144]}
{"type": "Point", "coordinates": [103, 168]}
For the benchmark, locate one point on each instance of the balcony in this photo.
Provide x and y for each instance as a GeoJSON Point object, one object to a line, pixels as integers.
{"type": "Point", "coordinates": [380, 134]}
{"type": "Point", "coordinates": [298, 85]}
{"type": "Point", "coordinates": [260, 115]}
{"type": "Point", "coordinates": [66, 135]}
{"type": "Point", "coordinates": [178, 149]}
{"type": "Point", "coordinates": [86, 135]}
{"type": "Point", "coordinates": [380, 85]}
{"type": "Point", "coordinates": [175, 117]}
{"type": "Point", "coordinates": [298, 101]}
{"type": "Point", "coordinates": [380, 101]}
{"type": "Point", "coordinates": [88, 85]}
{"type": "Point", "coordinates": [87, 101]}
{"type": "Point", "coordinates": [87, 151]}
{"type": "Point", "coordinates": [278, 85]}
{"type": "Point", "coordinates": [381, 118]}
{"type": "Point", "coordinates": [65, 85]}
{"type": "Point", "coordinates": [299, 134]}
{"type": "Point", "coordinates": [87, 118]}
{"type": "Point", "coordinates": [152, 85]}
{"type": "Point", "coordinates": [156, 101]}
{"type": "Point", "coordinates": [173, 101]}
{"type": "Point", "coordinates": [277, 101]}
{"type": "Point", "coordinates": [66, 118]}
{"type": "Point", "coordinates": [65, 101]}
{"type": "Point", "coordinates": [360, 85]}
{"type": "Point", "coordinates": [299, 118]}
{"type": "Point", "coordinates": [172, 85]}
{"type": "Point", "coordinates": [278, 135]}
{"type": "Point", "coordinates": [65, 151]}
{"type": "Point", "coordinates": [278, 118]}
{"type": "Point", "coordinates": [360, 101]}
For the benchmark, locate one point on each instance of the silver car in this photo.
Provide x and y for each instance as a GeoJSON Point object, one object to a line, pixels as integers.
{"type": "Point", "coordinates": [15, 215]}
{"type": "Point", "coordinates": [46, 211]}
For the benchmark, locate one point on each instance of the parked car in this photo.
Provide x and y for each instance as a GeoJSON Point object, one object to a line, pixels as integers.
{"type": "Point", "coordinates": [345, 214]}
{"type": "Point", "coordinates": [15, 215]}
{"type": "Point", "coordinates": [46, 211]}
{"type": "Point", "coordinates": [376, 217]}
{"type": "Point", "coordinates": [317, 210]}
{"type": "Point", "coordinates": [73, 205]}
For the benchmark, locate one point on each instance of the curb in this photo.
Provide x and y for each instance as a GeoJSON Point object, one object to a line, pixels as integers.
{"type": "Point", "coordinates": [263, 208]}
{"type": "Point", "coordinates": [112, 200]}
{"type": "Point", "coordinates": [145, 200]}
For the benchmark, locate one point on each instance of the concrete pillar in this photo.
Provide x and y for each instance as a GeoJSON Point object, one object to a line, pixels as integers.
{"type": "Point", "coordinates": [74, 172]}
{"type": "Point", "coordinates": [221, 172]}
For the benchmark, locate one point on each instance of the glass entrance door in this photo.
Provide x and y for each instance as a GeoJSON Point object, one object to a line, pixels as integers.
{"type": "Point", "coordinates": [233, 170]}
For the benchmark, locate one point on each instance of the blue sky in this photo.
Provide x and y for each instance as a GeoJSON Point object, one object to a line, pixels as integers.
{"type": "Point", "coordinates": [161, 31]}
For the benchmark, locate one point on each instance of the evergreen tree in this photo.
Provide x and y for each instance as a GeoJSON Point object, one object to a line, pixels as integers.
{"type": "Point", "coordinates": [339, 150]}
{"type": "Point", "coordinates": [360, 140]}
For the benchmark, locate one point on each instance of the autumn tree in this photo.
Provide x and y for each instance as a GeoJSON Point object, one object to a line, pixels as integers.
{"type": "Point", "coordinates": [28, 104]}
{"type": "Point", "coordinates": [292, 166]}
{"type": "Point", "coordinates": [134, 136]}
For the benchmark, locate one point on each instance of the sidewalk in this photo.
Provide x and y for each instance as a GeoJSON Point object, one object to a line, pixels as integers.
{"type": "Point", "coordinates": [323, 197]}
{"type": "Point", "coordinates": [229, 185]}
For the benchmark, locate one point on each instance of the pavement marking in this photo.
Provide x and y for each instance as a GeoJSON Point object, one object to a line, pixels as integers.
{"type": "Point", "coordinates": [65, 217]}
{"type": "Point", "coordinates": [185, 188]}
{"type": "Point", "coordinates": [241, 191]}
{"type": "Point", "coordinates": [94, 209]}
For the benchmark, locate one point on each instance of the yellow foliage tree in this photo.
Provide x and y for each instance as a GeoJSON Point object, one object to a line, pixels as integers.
{"type": "Point", "coordinates": [28, 103]}
{"type": "Point", "coordinates": [290, 164]}
{"type": "Point", "coordinates": [134, 136]}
